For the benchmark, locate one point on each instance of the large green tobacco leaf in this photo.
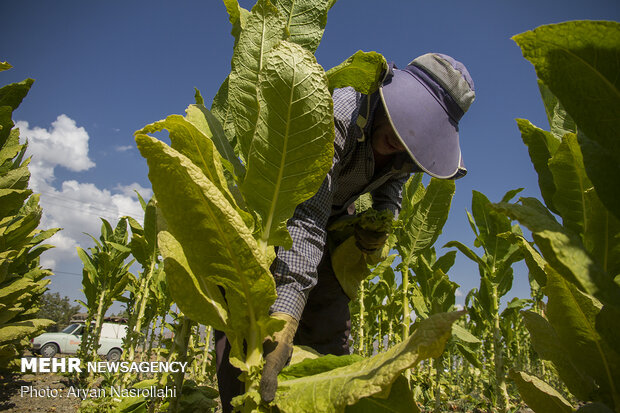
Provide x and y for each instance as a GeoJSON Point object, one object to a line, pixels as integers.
{"type": "Point", "coordinates": [144, 240]}
{"type": "Point", "coordinates": [202, 300]}
{"type": "Point", "coordinates": [535, 263]}
{"type": "Point", "coordinates": [442, 293]}
{"type": "Point", "coordinates": [349, 264]}
{"type": "Point", "coordinates": [363, 71]}
{"type": "Point", "coordinates": [205, 121]}
{"type": "Point", "coordinates": [305, 19]}
{"type": "Point", "coordinates": [541, 145]}
{"type": "Point", "coordinates": [12, 332]}
{"type": "Point", "coordinates": [560, 122]}
{"type": "Point", "coordinates": [311, 366]}
{"type": "Point", "coordinates": [399, 400]}
{"type": "Point", "coordinates": [219, 248]}
{"type": "Point", "coordinates": [602, 169]}
{"type": "Point", "coordinates": [292, 149]}
{"type": "Point", "coordinates": [11, 97]}
{"type": "Point", "coordinates": [572, 314]}
{"type": "Point", "coordinates": [334, 390]}
{"type": "Point", "coordinates": [191, 137]}
{"type": "Point", "coordinates": [538, 395]}
{"type": "Point", "coordinates": [188, 140]}
{"type": "Point", "coordinates": [222, 111]}
{"type": "Point", "coordinates": [550, 347]}
{"type": "Point", "coordinates": [13, 291]}
{"type": "Point", "coordinates": [414, 191]}
{"type": "Point", "coordinates": [579, 62]}
{"type": "Point", "coordinates": [433, 285]}
{"type": "Point", "coordinates": [563, 250]}
{"type": "Point", "coordinates": [21, 278]}
{"type": "Point", "coordinates": [17, 178]}
{"type": "Point", "coordinates": [482, 264]}
{"type": "Point", "coordinates": [265, 28]}
{"type": "Point", "coordinates": [490, 224]}
{"type": "Point", "coordinates": [602, 236]}
{"type": "Point", "coordinates": [464, 335]}
{"type": "Point", "coordinates": [423, 224]}
{"type": "Point", "coordinates": [571, 184]}
{"type": "Point", "coordinates": [12, 199]}
{"type": "Point", "coordinates": [607, 325]}
{"type": "Point", "coordinates": [237, 16]}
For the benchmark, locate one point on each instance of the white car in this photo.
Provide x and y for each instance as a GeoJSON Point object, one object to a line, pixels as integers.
{"type": "Point", "coordinates": [68, 341]}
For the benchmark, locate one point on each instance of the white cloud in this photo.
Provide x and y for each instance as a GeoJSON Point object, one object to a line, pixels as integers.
{"type": "Point", "coordinates": [63, 144]}
{"type": "Point", "coordinates": [76, 206]}
{"type": "Point", "coordinates": [130, 191]}
{"type": "Point", "coordinates": [123, 148]}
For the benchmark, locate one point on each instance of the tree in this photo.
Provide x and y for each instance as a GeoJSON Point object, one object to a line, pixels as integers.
{"type": "Point", "coordinates": [57, 308]}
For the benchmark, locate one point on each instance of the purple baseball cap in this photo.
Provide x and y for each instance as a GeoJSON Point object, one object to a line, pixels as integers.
{"type": "Point", "coordinates": [424, 103]}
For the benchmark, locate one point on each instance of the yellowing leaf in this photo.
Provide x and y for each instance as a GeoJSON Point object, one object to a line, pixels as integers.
{"type": "Point", "coordinates": [335, 389]}
{"type": "Point", "coordinates": [292, 149]}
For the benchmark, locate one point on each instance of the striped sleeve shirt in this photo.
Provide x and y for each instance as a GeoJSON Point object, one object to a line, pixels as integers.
{"type": "Point", "coordinates": [351, 175]}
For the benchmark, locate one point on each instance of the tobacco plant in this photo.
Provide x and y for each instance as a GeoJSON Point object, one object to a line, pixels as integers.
{"type": "Point", "coordinates": [578, 260]}
{"type": "Point", "coordinates": [142, 302]}
{"type": "Point", "coordinates": [22, 280]}
{"type": "Point", "coordinates": [420, 222]}
{"type": "Point", "coordinates": [496, 275]}
{"type": "Point", "coordinates": [433, 292]}
{"type": "Point", "coordinates": [232, 178]}
{"type": "Point", "coordinates": [104, 278]}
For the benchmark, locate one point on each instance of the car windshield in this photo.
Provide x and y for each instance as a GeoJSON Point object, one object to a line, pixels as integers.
{"type": "Point", "coordinates": [69, 328]}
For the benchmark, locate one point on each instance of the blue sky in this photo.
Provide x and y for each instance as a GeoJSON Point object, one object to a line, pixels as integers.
{"type": "Point", "coordinates": [104, 69]}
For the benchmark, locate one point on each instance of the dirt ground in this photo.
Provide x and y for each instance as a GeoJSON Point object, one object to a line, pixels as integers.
{"type": "Point", "coordinates": [49, 392]}
{"type": "Point", "coordinates": [44, 392]}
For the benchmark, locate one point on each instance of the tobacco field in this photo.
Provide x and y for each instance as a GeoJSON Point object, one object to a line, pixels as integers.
{"type": "Point", "coordinates": [228, 174]}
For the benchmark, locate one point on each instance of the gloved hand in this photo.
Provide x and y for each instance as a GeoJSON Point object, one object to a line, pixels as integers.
{"type": "Point", "coordinates": [369, 241]}
{"type": "Point", "coordinates": [277, 353]}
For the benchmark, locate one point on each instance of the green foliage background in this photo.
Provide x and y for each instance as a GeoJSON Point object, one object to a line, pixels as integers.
{"type": "Point", "coordinates": [22, 280]}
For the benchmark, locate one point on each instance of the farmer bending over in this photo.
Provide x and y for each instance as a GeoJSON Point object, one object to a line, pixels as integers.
{"type": "Point", "coordinates": [409, 125]}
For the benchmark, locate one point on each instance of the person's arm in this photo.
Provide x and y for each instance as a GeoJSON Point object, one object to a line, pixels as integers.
{"type": "Point", "coordinates": [295, 273]}
{"type": "Point", "coordinates": [295, 270]}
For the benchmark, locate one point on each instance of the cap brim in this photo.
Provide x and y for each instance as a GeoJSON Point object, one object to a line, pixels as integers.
{"type": "Point", "coordinates": [423, 125]}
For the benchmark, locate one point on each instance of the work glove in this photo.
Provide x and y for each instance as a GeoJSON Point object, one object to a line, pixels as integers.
{"type": "Point", "coordinates": [369, 241]}
{"type": "Point", "coordinates": [277, 353]}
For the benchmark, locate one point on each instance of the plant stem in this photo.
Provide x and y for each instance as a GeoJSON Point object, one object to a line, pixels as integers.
{"type": "Point", "coordinates": [93, 339]}
{"type": "Point", "coordinates": [205, 353]}
{"type": "Point", "coordinates": [406, 311]}
{"type": "Point", "coordinates": [143, 296]}
{"type": "Point", "coordinates": [438, 371]}
{"type": "Point", "coordinates": [498, 358]}
{"type": "Point", "coordinates": [360, 327]}
{"type": "Point", "coordinates": [181, 342]}
{"type": "Point", "coordinates": [152, 329]}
